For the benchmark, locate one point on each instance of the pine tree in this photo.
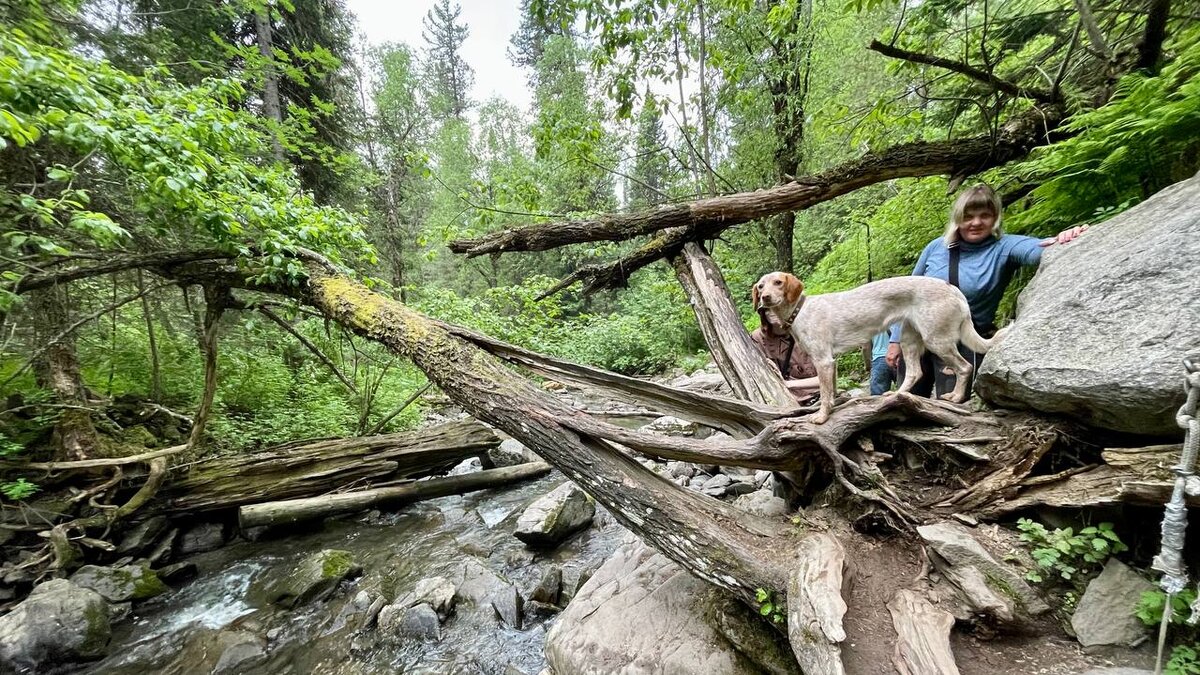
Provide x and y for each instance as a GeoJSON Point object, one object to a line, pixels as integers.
{"type": "Point", "coordinates": [648, 179]}
{"type": "Point", "coordinates": [450, 75]}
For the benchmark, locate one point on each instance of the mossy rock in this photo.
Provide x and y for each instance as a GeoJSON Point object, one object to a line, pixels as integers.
{"type": "Point", "coordinates": [313, 578]}
{"type": "Point", "coordinates": [120, 584]}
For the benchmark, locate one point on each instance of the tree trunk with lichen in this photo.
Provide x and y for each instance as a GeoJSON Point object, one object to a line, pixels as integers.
{"type": "Point", "coordinates": [716, 542]}
{"type": "Point", "coordinates": [57, 370]}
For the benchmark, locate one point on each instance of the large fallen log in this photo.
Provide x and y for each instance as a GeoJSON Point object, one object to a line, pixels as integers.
{"type": "Point", "coordinates": [311, 468]}
{"type": "Point", "coordinates": [312, 508]}
{"type": "Point", "coordinates": [706, 218]}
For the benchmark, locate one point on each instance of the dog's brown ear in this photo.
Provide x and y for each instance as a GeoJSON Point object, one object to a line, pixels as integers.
{"type": "Point", "coordinates": [792, 288]}
{"type": "Point", "coordinates": [754, 296]}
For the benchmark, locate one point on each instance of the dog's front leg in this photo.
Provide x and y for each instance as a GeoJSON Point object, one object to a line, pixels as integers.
{"type": "Point", "coordinates": [827, 380]}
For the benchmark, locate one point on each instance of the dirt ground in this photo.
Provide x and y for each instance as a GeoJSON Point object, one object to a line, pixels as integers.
{"type": "Point", "coordinates": [878, 567]}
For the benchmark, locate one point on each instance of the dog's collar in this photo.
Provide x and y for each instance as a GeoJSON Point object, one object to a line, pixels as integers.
{"type": "Point", "coordinates": [795, 312]}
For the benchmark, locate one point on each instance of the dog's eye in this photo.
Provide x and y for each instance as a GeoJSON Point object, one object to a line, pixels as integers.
{"type": "Point", "coordinates": [778, 282]}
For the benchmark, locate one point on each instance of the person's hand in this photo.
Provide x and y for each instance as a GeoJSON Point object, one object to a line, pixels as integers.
{"type": "Point", "coordinates": [1065, 236]}
{"type": "Point", "coordinates": [893, 355]}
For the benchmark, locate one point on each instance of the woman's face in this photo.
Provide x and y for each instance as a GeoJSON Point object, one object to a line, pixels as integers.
{"type": "Point", "coordinates": [976, 225]}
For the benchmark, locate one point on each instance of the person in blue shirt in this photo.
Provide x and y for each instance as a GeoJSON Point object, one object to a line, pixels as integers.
{"type": "Point", "coordinates": [882, 375]}
{"type": "Point", "coordinates": [975, 255]}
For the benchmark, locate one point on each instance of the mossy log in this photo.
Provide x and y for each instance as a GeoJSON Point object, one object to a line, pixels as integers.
{"type": "Point", "coordinates": [312, 508]}
{"type": "Point", "coordinates": [310, 468]}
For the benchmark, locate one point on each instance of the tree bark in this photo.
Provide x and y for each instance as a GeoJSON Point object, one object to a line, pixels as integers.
{"type": "Point", "coordinates": [272, 109]}
{"type": "Point", "coordinates": [155, 370]}
{"type": "Point", "coordinates": [748, 373]}
{"type": "Point", "coordinates": [705, 218]}
{"type": "Point", "coordinates": [716, 542]}
{"type": "Point", "coordinates": [57, 370]}
{"type": "Point", "coordinates": [317, 467]}
{"type": "Point", "coordinates": [312, 508]}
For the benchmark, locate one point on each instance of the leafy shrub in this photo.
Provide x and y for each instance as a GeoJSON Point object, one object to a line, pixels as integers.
{"type": "Point", "coordinates": [18, 489]}
{"type": "Point", "coordinates": [1064, 554]}
{"type": "Point", "coordinates": [1184, 659]}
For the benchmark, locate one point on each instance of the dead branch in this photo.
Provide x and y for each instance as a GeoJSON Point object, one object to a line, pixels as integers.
{"type": "Point", "coordinates": [706, 218]}
{"type": "Point", "coordinates": [85, 464]}
{"type": "Point", "coordinates": [399, 409]}
{"type": "Point", "coordinates": [990, 79]}
{"type": "Point", "coordinates": [265, 311]}
{"type": "Point", "coordinates": [736, 417]}
{"type": "Point", "coordinates": [156, 260]}
{"type": "Point", "coordinates": [1095, 35]}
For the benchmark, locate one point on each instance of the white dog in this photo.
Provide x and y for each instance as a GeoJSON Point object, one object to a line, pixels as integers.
{"type": "Point", "coordinates": [934, 316]}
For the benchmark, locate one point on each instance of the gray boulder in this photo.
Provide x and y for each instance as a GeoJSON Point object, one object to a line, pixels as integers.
{"type": "Point", "coordinates": [555, 516]}
{"type": "Point", "coordinates": [672, 426]}
{"type": "Point", "coordinates": [419, 622]}
{"type": "Point", "coordinates": [1102, 328]}
{"type": "Point", "coordinates": [120, 584]}
{"type": "Point", "coordinates": [201, 538]}
{"type": "Point", "coordinates": [313, 578]}
{"type": "Point", "coordinates": [511, 452]}
{"type": "Point", "coordinates": [59, 622]}
{"type": "Point", "coordinates": [141, 536]}
{"type": "Point", "coordinates": [641, 613]}
{"type": "Point", "coordinates": [437, 592]}
{"type": "Point", "coordinates": [762, 503]}
{"type": "Point", "coordinates": [549, 587]}
{"type": "Point", "coordinates": [985, 585]}
{"type": "Point", "coordinates": [1104, 615]}
{"type": "Point", "coordinates": [484, 596]}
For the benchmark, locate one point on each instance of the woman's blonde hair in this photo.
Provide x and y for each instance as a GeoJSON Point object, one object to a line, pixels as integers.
{"type": "Point", "coordinates": [980, 196]}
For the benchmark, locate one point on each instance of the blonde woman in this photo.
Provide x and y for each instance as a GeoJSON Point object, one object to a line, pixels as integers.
{"type": "Point", "coordinates": [976, 256]}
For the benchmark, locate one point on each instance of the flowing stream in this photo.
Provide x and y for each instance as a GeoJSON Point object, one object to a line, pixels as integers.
{"type": "Point", "coordinates": [187, 630]}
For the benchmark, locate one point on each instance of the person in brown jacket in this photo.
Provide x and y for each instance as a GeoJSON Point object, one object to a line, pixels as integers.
{"type": "Point", "coordinates": [776, 343]}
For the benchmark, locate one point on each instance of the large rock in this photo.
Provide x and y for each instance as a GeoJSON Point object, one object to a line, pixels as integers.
{"type": "Point", "coordinates": [314, 578]}
{"type": "Point", "coordinates": [986, 586]}
{"type": "Point", "coordinates": [762, 503]}
{"type": "Point", "coordinates": [437, 592]}
{"type": "Point", "coordinates": [142, 536]}
{"type": "Point", "coordinates": [552, 518]}
{"type": "Point", "coordinates": [419, 622]}
{"type": "Point", "coordinates": [1105, 612]}
{"type": "Point", "coordinates": [201, 538]}
{"type": "Point", "coordinates": [1101, 329]}
{"type": "Point", "coordinates": [511, 452]}
{"type": "Point", "coordinates": [59, 622]}
{"type": "Point", "coordinates": [120, 584]}
{"type": "Point", "coordinates": [482, 595]}
{"type": "Point", "coordinates": [641, 613]}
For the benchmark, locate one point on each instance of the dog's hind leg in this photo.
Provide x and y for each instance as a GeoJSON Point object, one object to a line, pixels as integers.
{"type": "Point", "coordinates": [947, 351]}
{"type": "Point", "coordinates": [911, 348]}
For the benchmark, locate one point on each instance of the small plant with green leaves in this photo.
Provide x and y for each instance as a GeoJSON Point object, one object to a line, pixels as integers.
{"type": "Point", "coordinates": [1184, 659]}
{"type": "Point", "coordinates": [1064, 554]}
{"type": "Point", "coordinates": [769, 605]}
{"type": "Point", "coordinates": [18, 489]}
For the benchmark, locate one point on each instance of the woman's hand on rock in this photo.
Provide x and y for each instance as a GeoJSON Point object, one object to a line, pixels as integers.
{"type": "Point", "coordinates": [1065, 236]}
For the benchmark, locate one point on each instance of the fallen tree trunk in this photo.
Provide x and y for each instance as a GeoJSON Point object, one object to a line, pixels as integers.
{"type": "Point", "coordinates": [740, 419]}
{"type": "Point", "coordinates": [706, 218]}
{"type": "Point", "coordinates": [746, 370]}
{"type": "Point", "coordinates": [312, 508]}
{"type": "Point", "coordinates": [310, 468]}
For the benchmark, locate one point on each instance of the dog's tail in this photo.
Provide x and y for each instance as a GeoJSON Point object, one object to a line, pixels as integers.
{"type": "Point", "coordinates": [976, 342]}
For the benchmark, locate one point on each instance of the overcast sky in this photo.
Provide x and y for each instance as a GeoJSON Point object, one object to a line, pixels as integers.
{"type": "Point", "coordinates": [492, 23]}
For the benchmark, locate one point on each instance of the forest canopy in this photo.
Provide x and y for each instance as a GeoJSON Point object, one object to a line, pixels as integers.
{"type": "Point", "coordinates": [266, 134]}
